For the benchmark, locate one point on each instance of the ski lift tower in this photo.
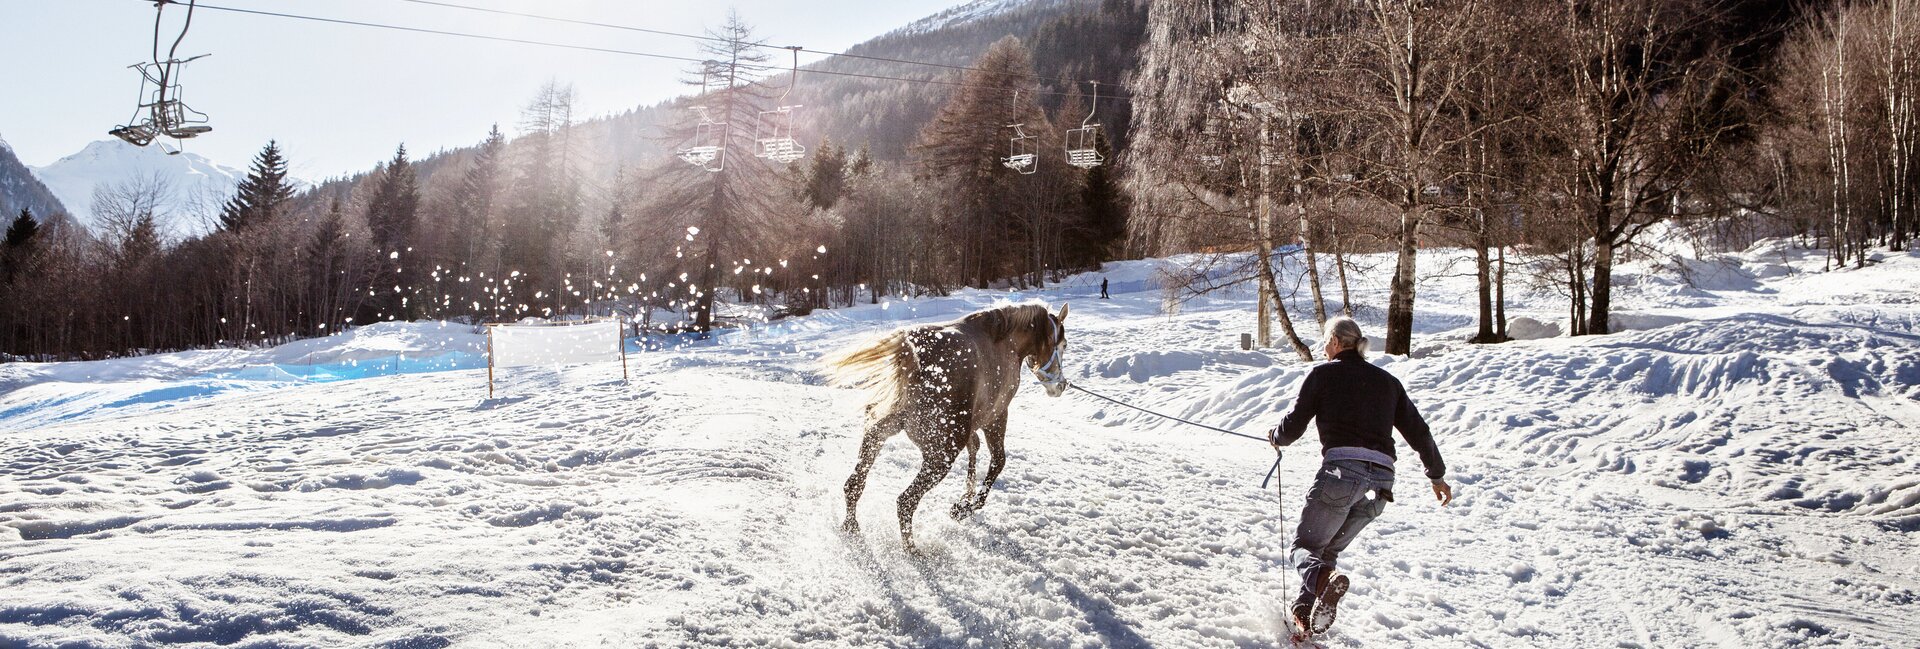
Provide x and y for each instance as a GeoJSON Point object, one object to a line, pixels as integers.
{"type": "Point", "coordinates": [773, 131]}
{"type": "Point", "coordinates": [1081, 142]}
{"type": "Point", "coordinates": [161, 112]}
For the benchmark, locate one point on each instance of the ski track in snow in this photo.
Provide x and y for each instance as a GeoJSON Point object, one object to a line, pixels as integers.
{"type": "Point", "coordinates": [1739, 471]}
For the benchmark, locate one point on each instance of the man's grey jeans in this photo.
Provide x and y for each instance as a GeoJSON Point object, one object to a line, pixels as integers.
{"type": "Point", "coordinates": [1346, 496]}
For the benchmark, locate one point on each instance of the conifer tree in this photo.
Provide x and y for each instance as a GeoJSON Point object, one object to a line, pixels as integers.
{"type": "Point", "coordinates": [473, 225]}
{"type": "Point", "coordinates": [263, 195]}
{"type": "Point", "coordinates": [20, 240]}
{"type": "Point", "coordinates": [826, 176]}
{"type": "Point", "coordinates": [964, 146]}
{"type": "Point", "coordinates": [391, 214]}
{"type": "Point", "coordinates": [22, 232]}
{"type": "Point", "coordinates": [1106, 207]}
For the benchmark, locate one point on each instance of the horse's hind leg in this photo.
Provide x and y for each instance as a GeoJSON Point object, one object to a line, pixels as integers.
{"type": "Point", "coordinates": [875, 438]}
{"type": "Point", "coordinates": [936, 457]}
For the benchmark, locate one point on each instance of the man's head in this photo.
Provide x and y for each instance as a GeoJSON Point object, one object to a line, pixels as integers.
{"type": "Point", "coordinates": [1342, 334]}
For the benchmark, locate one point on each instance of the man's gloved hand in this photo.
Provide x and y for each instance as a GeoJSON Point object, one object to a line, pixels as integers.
{"type": "Point", "coordinates": [1273, 437]}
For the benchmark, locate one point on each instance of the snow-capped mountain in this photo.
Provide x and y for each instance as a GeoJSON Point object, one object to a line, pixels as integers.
{"type": "Point", "coordinates": [965, 13]}
{"type": "Point", "coordinates": [20, 189]}
{"type": "Point", "coordinates": [197, 184]}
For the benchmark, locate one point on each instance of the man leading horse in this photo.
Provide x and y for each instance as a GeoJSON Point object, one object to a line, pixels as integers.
{"type": "Point", "coordinates": [1357, 406]}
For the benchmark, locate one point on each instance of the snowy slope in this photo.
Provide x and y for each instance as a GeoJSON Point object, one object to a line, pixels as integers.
{"type": "Point", "coordinates": [971, 11]}
{"type": "Point", "coordinates": [196, 181]}
{"type": "Point", "coordinates": [1736, 471]}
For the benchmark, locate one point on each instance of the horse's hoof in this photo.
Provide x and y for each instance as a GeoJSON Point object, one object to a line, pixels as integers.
{"type": "Point", "coordinates": [960, 511]}
{"type": "Point", "coordinates": [850, 527]}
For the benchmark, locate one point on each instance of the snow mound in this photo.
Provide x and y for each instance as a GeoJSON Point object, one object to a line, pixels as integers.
{"type": "Point", "coordinates": [1525, 328]}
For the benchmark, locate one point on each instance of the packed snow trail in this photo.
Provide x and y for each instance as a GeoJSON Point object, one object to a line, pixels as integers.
{"type": "Point", "coordinates": [1738, 473]}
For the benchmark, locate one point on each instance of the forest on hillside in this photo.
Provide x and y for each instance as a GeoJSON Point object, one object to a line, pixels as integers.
{"type": "Point", "coordinates": [1549, 138]}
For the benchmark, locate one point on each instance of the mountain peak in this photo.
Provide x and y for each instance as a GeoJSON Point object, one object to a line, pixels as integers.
{"type": "Point", "coordinates": [959, 15]}
{"type": "Point", "coordinates": [193, 179]}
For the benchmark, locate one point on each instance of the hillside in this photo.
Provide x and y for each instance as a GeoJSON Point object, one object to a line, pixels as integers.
{"type": "Point", "coordinates": [1078, 39]}
{"type": "Point", "coordinates": [19, 188]}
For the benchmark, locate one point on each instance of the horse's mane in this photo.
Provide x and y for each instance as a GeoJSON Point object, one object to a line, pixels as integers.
{"type": "Point", "coordinates": [1003, 321]}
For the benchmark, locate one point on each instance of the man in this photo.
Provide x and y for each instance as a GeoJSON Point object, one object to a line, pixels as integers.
{"type": "Point", "coordinates": [1103, 288]}
{"type": "Point", "coordinates": [1357, 405]}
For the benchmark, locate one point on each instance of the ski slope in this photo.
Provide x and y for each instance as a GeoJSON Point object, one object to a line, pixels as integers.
{"type": "Point", "coordinates": [1736, 470]}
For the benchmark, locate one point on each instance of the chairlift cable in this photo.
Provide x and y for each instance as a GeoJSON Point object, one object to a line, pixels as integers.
{"type": "Point", "coordinates": [608, 50]}
{"type": "Point", "coordinates": [716, 39]}
{"type": "Point", "coordinates": [442, 32]}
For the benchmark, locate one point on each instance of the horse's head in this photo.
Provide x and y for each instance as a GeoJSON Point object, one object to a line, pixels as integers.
{"type": "Point", "coordinates": [1046, 341]}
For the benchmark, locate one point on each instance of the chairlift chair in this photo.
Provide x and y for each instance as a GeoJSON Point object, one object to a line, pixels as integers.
{"type": "Point", "coordinates": [1022, 156]}
{"type": "Point", "coordinates": [163, 111]}
{"type": "Point", "coordinates": [773, 131]}
{"type": "Point", "coordinates": [1082, 141]}
{"type": "Point", "coordinates": [708, 150]}
{"type": "Point", "coordinates": [773, 136]}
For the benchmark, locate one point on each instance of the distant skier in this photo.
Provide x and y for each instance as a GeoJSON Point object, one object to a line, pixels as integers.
{"type": "Point", "coordinates": [1103, 289]}
{"type": "Point", "coordinates": [1357, 405]}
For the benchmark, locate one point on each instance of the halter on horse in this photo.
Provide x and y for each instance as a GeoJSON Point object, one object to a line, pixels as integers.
{"type": "Point", "coordinates": [941, 383]}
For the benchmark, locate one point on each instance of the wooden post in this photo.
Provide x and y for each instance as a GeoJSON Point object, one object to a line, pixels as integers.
{"type": "Point", "coordinates": [622, 342]}
{"type": "Point", "coordinates": [489, 362]}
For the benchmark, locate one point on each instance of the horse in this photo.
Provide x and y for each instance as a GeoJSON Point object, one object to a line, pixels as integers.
{"type": "Point", "coordinates": [947, 386]}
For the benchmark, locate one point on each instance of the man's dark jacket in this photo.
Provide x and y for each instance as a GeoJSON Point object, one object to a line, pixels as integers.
{"type": "Point", "coordinates": [1358, 404]}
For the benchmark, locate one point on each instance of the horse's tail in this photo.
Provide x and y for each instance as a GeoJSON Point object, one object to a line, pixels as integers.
{"type": "Point", "coordinates": [879, 366]}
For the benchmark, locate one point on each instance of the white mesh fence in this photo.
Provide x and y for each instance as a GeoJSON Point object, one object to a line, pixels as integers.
{"type": "Point", "coordinates": [518, 346]}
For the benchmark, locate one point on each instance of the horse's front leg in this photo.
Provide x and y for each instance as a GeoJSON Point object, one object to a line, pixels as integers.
{"type": "Point", "coordinates": [996, 437]}
{"type": "Point", "coordinates": [965, 505]}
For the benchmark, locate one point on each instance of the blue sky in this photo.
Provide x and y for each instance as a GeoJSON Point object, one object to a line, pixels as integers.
{"type": "Point", "coordinates": [338, 97]}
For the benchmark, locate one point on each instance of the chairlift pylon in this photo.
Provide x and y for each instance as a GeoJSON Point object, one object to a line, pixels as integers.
{"type": "Point", "coordinates": [773, 130]}
{"type": "Point", "coordinates": [1081, 142]}
{"type": "Point", "coordinates": [1022, 154]}
{"type": "Point", "coordinates": [162, 112]}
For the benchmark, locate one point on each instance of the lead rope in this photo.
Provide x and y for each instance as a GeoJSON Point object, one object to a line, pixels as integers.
{"type": "Point", "coordinates": [1279, 487]}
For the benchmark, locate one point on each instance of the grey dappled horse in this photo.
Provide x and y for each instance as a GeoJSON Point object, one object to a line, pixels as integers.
{"type": "Point", "coordinates": [946, 386]}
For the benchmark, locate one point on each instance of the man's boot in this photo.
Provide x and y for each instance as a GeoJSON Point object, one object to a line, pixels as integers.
{"type": "Point", "coordinates": [1329, 603]}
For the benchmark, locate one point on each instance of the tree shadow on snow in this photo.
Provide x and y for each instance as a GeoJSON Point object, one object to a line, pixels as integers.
{"type": "Point", "coordinates": [490, 404]}
{"type": "Point", "coordinates": [1114, 631]}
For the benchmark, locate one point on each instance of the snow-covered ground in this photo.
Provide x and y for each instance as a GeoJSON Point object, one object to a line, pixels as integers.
{"type": "Point", "coordinates": [1737, 470]}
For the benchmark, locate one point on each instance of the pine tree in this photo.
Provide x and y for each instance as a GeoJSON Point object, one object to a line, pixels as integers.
{"type": "Point", "coordinates": [826, 176]}
{"type": "Point", "coordinates": [1106, 207]}
{"type": "Point", "coordinates": [474, 204]}
{"type": "Point", "coordinates": [21, 234]}
{"type": "Point", "coordinates": [391, 214]}
{"type": "Point", "coordinates": [21, 237]}
{"type": "Point", "coordinates": [328, 282]}
{"type": "Point", "coordinates": [964, 146]}
{"type": "Point", "coordinates": [263, 195]}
